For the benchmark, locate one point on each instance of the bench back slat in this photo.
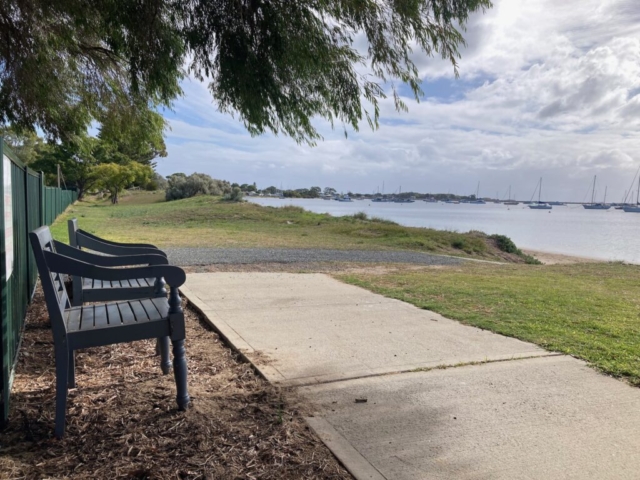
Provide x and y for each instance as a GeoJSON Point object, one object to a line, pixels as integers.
{"type": "Point", "coordinates": [72, 226]}
{"type": "Point", "coordinates": [55, 292]}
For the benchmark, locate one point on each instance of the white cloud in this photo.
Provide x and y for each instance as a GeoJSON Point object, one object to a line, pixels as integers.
{"type": "Point", "coordinates": [561, 100]}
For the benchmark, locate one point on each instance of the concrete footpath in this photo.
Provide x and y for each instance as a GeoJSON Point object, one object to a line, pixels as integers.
{"type": "Point", "coordinates": [404, 393]}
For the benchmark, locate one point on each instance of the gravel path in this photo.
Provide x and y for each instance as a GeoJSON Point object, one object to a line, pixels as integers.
{"type": "Point", "coordinates": [209, 256]}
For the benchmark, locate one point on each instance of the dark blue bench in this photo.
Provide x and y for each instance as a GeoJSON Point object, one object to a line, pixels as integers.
{"type": "Point", "coordinates": [95, 290]}
{"type": "Point", "coordinates": [77, 327]}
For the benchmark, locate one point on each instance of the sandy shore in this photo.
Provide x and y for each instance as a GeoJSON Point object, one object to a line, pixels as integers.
{"type": "Point", "coordinates": [560, 258]}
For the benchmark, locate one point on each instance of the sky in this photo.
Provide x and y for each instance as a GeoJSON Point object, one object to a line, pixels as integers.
{"type": "Point", "coordinates": [547, 88]}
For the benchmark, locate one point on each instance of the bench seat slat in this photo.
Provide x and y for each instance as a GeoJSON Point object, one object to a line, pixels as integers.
{"type": "Point", "coordinates": [162, 305]}
{"type": "Point", "coordinates": [86, 319]}
{"type": "Point", "coordinates": [150, 308]}
{"type": "Point", "coordinates": [100, 319]}
{"type": "Point", "coordinates": [138, 311]}
{"type": "Point", "coordinates": [113, 314]}
{"type": "Point", "coordinates": [126, 314]}
{"type": "Point", "coordinates": [73, 319]}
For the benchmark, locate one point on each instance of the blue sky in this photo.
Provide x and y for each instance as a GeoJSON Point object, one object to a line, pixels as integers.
{"type": "Point", "coordinates": [546, 88]}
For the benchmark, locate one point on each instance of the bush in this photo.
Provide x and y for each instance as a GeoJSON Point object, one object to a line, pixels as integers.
{"type": "Point", "coordinates": [158, 182]}
{"type": "Point", "coordinates": [505, 244]}
{"type": "Point", "coordinates": [235, 195]}
{"type": "Point", "coordinates": [360, 216]}
{"type": "Point", "coordinates": [529, 260]}
{"type": "Point", "coordinates": [459, 243]}
{"type": "Point", "coordinates": [181, 186]}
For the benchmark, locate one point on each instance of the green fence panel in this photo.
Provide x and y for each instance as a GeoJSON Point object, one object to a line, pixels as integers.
{"type": "Point", "coordinates": [26, 205]}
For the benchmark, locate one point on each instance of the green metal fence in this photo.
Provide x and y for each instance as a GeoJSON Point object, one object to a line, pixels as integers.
{"type": "Point", "coordinates": [26, 205]}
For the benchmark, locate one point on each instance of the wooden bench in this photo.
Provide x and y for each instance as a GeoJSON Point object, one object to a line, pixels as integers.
{"type": "Point", "coordinates": [95, 290]}
{"type": "Point", "coordinates": [115, 322]}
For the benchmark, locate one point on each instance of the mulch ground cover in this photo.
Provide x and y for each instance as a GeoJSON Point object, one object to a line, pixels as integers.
{"type": "Point", "coordinates": [122, 420]}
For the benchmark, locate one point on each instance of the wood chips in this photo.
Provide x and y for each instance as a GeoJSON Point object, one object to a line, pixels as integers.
{"type": "Point", "coordinates": [122, 420]}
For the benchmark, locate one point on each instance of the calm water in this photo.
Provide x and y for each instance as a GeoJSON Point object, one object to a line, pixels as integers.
{"type": "Point", "coordinates": [606, 234]}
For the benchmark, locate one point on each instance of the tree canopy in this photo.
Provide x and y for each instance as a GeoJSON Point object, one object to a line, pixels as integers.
{"type": "Point", "coordinates": [276, 64]}
{"type": "Point", "coordinates": [115, 177]}
{"type": "Point", "coordinates": [76, 160]}
{"type": "Point", "coordinates": [131, 135]}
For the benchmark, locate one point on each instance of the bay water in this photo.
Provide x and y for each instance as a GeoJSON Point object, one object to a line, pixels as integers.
{"type": "Point", "coordinates": [570, 229]}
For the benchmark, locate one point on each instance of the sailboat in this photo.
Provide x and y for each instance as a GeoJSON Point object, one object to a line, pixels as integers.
{"type": "Point", "coordinates": [381, 197]}
{"type": "Point", "coordinates": [509, 201]}
{"type": "Point", "coordinates": [597, 206]}
{"type": "Point", "coordinates": [634, 208]}
{"type": "Point", "coordinates": [540, 205]}
{"type": "Point", "coordinates": [403, 199]}
{"type": "Point", "coordinates": [478, 201]}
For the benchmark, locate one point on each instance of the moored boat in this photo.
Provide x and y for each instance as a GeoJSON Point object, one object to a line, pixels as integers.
{"type": "Point", "coordinates": [597, 206]}
{"type": "Point", "coordinates": [539, 205]}
{"type": "Point", "coordinates": [509, 201]}
{"type": "Point", "coordinates": [634, 208]}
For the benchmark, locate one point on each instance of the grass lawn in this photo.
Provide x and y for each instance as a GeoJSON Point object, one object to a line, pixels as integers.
{"type": "Point", "coordinates": [590, 311]}
{"type": "Point", "coordinates": [209, 222]}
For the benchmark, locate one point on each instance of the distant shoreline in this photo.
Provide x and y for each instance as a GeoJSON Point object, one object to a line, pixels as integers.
{"type": "Point", "coordinates": [546, 253]}
{"type": "Point", "coordinates": [550, 258]}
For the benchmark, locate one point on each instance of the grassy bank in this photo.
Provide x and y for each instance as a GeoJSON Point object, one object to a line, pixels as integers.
{"type": "Point", "coordinates": [208, 221]}
{"type": "Point", "coordinates": [590, 311]}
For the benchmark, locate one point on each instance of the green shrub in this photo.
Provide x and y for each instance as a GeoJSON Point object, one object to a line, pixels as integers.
{"type": "Point", "coordinates": [360, 216]}
{"type": "Point", "coordinates": [505, 244]}
{"type": "Point", "coordinates": [529, 260]}
{"type": "Point", "coordinates": [459, 243]}
{"type": "Point", "coordinates": [181, 186]}
{"type": "Point", "coordinates": [235, 195]}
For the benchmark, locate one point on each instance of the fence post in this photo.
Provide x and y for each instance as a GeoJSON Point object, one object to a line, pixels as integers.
{"type": "Point", "coordinates": [26, 223]}
{"type": "Point", "coordinates": [41, 199]}
{"type": "Point", "coordinates": [4, 309]}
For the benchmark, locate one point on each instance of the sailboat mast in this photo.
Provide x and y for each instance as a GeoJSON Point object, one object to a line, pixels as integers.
{"type": "Point", "coordinates": [509, 192]}
{"type": "Point", "coordinates": [638, 194]}
{"type": "Point", "coordinates": [540, 191]}
{"type": "Point", "coordinates": [593, 192]}
{"type": "Point", "coordinates": [605, 196]}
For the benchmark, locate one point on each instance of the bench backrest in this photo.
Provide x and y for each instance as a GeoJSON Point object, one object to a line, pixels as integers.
{"type": "Point", "coordinates": [72, 226]}
{"type": "Point", "coordinates": [55, 293]}
{"type": "Point", "coordinates": [79, 238]}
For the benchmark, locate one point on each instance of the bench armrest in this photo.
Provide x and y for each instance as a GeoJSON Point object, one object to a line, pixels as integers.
{"type": "Point", "coordinates": [115, 244]}
{"type": "Point", "coordinates": [59, 263]}
{"type": "Point", "coordinates": [109, 261]}
{"type": "Point", "coordinates": [109, 249]}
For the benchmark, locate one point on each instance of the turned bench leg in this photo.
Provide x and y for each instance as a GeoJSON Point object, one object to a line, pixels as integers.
{"type": "Point", "coordinates": [180, 373]}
